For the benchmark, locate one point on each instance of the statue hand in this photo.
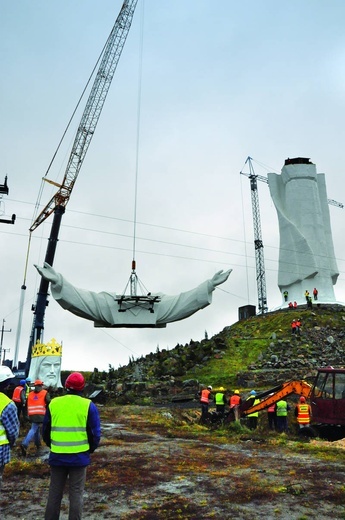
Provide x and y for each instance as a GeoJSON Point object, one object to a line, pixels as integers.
{"type": "Point", "coordinates": [220, 277]}
{"type": "Point", "coordinates": [48, 273]}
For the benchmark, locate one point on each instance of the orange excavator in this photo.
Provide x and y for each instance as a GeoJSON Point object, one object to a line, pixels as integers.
{"type": "Point", "coordinates": [327, 401]}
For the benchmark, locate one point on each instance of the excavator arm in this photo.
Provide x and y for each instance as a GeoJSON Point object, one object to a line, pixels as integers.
{"type": "Point", "coordinates": [274, 395]}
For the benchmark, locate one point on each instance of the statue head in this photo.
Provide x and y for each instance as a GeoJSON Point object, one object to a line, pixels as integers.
{"type": "Point", "coordinates": [46, 363]}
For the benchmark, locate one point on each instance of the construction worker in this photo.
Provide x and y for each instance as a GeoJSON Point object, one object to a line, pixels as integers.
{"type": "Point", "coordinates": [253, 417]}
{"type": "Point", "coordinates": [72, 430]}
{"type": "Point", "coordinates": [303, 413]}
{"type": "Point", "coordinates": [285, 294]}
{"type": "Point", "coordinates": [9, 423]}
{"type": "Point", "coordinates": [19, 399]}
{"type": "Point", "coordinates": [234, 404]}
{"type": "Point", "coordinates": [281, 410]}
{"type": "Point", "coordinates": [293, 327]}
{"type": "Point", "coordinates": [205, 396]}
{"type": "Point", "coordinates": [37, 402]}
{"type": "Point", "coordinates": [298, 326]}
{"type": "Point", "coordinates": [220, 401]}
{"type": "Point", "coordinates": [306, 295]}
{"type": "Point", "coordinates": [271, 416]}
{"type": "Point", "coordinates": [295, 305]}
{"type": "Point", "coordinates": [290, 305]}
{"type": "Point", "coordinates": [315, 293]}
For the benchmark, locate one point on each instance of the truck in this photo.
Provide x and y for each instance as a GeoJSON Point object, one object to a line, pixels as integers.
{"type": "Point", "coordinates": [327, 400]}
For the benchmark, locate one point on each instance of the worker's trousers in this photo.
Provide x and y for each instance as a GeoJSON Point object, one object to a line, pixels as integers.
{"type": "Point", "coordinates": [76, 482]}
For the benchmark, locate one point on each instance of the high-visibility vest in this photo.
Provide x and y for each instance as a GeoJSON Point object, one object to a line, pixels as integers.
{"type": "Point", "coordinates": [303, 413]}
{"type": "Point", "coordinates": [257, 401]}
{"type": "Point", "coordinates": [37, 403]}
{"type": "Point", "coordinates": [4, 401]}
{"type": "Point", "coordinates": [219, 398]}
{"type": "Point", "coordinates": [68, 424]}
{"type": "Point", "coordinates": [282, 409]}
{"type": "Point", "coordinates": [17, 393]}
{"type": "Point", "coordinates": [205, 395]}
{"type": "Point", "coordinates": [235, 400]}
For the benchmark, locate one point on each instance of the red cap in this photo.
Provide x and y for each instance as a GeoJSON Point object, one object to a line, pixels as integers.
{"type": "Point", "coordinates": [75, 381]}
{"type": "Point", "coordinates": [302, 399]}
{"type": "Point", "coordinates": [38, 382]}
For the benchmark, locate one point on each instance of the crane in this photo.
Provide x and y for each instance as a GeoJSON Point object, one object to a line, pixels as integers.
{"type": "Point", "coordinates": [258, 243]}
{"type": "Point", "coordinates": [86, 129]}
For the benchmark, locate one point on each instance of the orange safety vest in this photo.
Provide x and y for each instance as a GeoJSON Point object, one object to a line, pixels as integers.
{"type": "Point", "coordinates": [37, 403]}
{"type": "Point", "coordinates": [205, 395]}
{"type": "Point", "coordinates": [303, 413]}
{"type": "Point", "coordinates": [235, 400]}
{"type": "Point", "coordinates": [271, 408]}
{"type": "Point", "coordinates": [293, 324]}
{"type": "Point", "coordinates": [16, 394]}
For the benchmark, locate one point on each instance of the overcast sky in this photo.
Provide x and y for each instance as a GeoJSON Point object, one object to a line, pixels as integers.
{"type": "Point", "coordinates": [220, 81]}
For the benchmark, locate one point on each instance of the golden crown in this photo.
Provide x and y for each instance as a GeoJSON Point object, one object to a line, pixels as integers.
{"type": "Point", "coordinates": [53, 348]}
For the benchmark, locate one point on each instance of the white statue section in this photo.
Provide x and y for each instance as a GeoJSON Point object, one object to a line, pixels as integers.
{"type": "Point", "coordinates": [46, 363]}
{"type": "Point", "coordinates": [306, 256]}
{"type": "Point", "coordinates": [107, 309]}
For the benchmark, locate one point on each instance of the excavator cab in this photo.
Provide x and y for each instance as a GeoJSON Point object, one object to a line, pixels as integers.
{"type": "Point", "coordinates": [327, 397]}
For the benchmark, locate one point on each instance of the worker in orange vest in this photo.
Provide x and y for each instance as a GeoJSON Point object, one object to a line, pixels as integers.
{"type": "Point", "coordinates": [293, 327]}
{"type": "Point", "coordinates": [37, 402]}
{"type": "Point", "coordinates": [315, 293]}
{"type": "Point", "coordinates": [205, 396]}
{"type": "Point", "coordinates": [234, 404]}
{"type": "Point", "coordinates": [19, 398]}
{"type": "Point", "coordinates": [303, 413]}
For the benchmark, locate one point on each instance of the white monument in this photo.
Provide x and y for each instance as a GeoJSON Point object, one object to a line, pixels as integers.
{"type": "Point", "coordinates": [306, 256]}
{"type": "Point", "coordinates": [107, 309]}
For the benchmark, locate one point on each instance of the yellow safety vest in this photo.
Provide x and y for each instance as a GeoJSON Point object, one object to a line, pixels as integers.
{"type": "Point", "coordinates": [68, 424]}
{"type": "Point", "coordinates": [257, 401]}
{"type": "Point", "coordinates": [4, 401]}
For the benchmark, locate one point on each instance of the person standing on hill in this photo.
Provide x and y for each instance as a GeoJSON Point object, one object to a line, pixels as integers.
{"type": "Point", "coordinates": [253, 417]}
{"type": "Point", "coordinates": [36, 407]}
{"type": "Point", "coordinates": [72, 430]}
{"type": "Point", "coordinates": [235, 403]}
{"type": "Point", "coordinates": [9, 422]}
{"type": "Point", "coordinates": [281, 409]}
{"type": "Point", "coordinates": [205, 396]}
{"type": "Point", "coordinates": [315, 293]}
{"type": "Point", "coordinates": [19, 399]}
{"type": "Point", "coordinates": [303, 413]}
{"type": "Point", "coordinates": [220, 400]}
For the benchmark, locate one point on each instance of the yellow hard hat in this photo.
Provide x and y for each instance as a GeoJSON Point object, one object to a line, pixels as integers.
{"type": "Point", "coordinates": [236, 391]}
{"type": "Point", "coordinates": [221, 389]}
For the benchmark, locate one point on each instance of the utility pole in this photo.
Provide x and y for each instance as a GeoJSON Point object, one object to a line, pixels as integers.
{"type": "Point", "coordinates": [2, 338]}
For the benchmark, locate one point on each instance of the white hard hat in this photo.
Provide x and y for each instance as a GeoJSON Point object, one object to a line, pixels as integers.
{"type": "Point", "coordinates": [5, 373]}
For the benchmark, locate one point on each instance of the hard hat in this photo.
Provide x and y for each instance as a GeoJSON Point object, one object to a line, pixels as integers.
{"type": "Point", "coordinates": [22, 382]}
{"type": "Point", "coordinates": [209, 387]}
{"type": "Point", "coordinates": [252, 392]}
{"type": "Point", "coordinates": [75, 381]}
{"type": "Point", "coordinates": [28, 380]}
{"type": "Point", "coordinates": [302, 399]}
{"type": "Point", "coordinates": [236, 391]}
{"type": "Point", "coordinates": [5, 373]}
{"type": "Point", "coordinates": [38, 382]}
{"type": "Point", "coordinates": [221, 389]}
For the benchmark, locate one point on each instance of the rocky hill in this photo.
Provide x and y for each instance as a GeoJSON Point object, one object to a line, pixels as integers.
{"type": "Point", "coordinates": [257, 352]}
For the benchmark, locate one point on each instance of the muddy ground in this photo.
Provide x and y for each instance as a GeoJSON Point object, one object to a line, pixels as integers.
{"type": "Point", "coordinates": [161, 464]}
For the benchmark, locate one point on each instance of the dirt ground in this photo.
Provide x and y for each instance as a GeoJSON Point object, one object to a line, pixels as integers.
{"type": "Point", "coordinates": [160, 464]}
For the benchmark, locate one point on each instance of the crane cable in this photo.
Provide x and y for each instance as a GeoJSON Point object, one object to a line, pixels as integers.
{"type": "Point", "coordinates": [134, 278]}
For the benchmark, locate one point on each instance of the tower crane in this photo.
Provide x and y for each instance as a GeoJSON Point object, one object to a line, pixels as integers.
{"type": "Point", "coordinates": [258, 243]}
{"type": "Point", "coordinates": [110, 58]}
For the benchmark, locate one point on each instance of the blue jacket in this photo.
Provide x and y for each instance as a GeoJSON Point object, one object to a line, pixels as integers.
{"type": "Point", "coordinates": [93, 427]}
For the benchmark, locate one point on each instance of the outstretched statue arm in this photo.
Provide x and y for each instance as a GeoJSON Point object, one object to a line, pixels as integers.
{"type": "Point", "coordinates": [183, 305]}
